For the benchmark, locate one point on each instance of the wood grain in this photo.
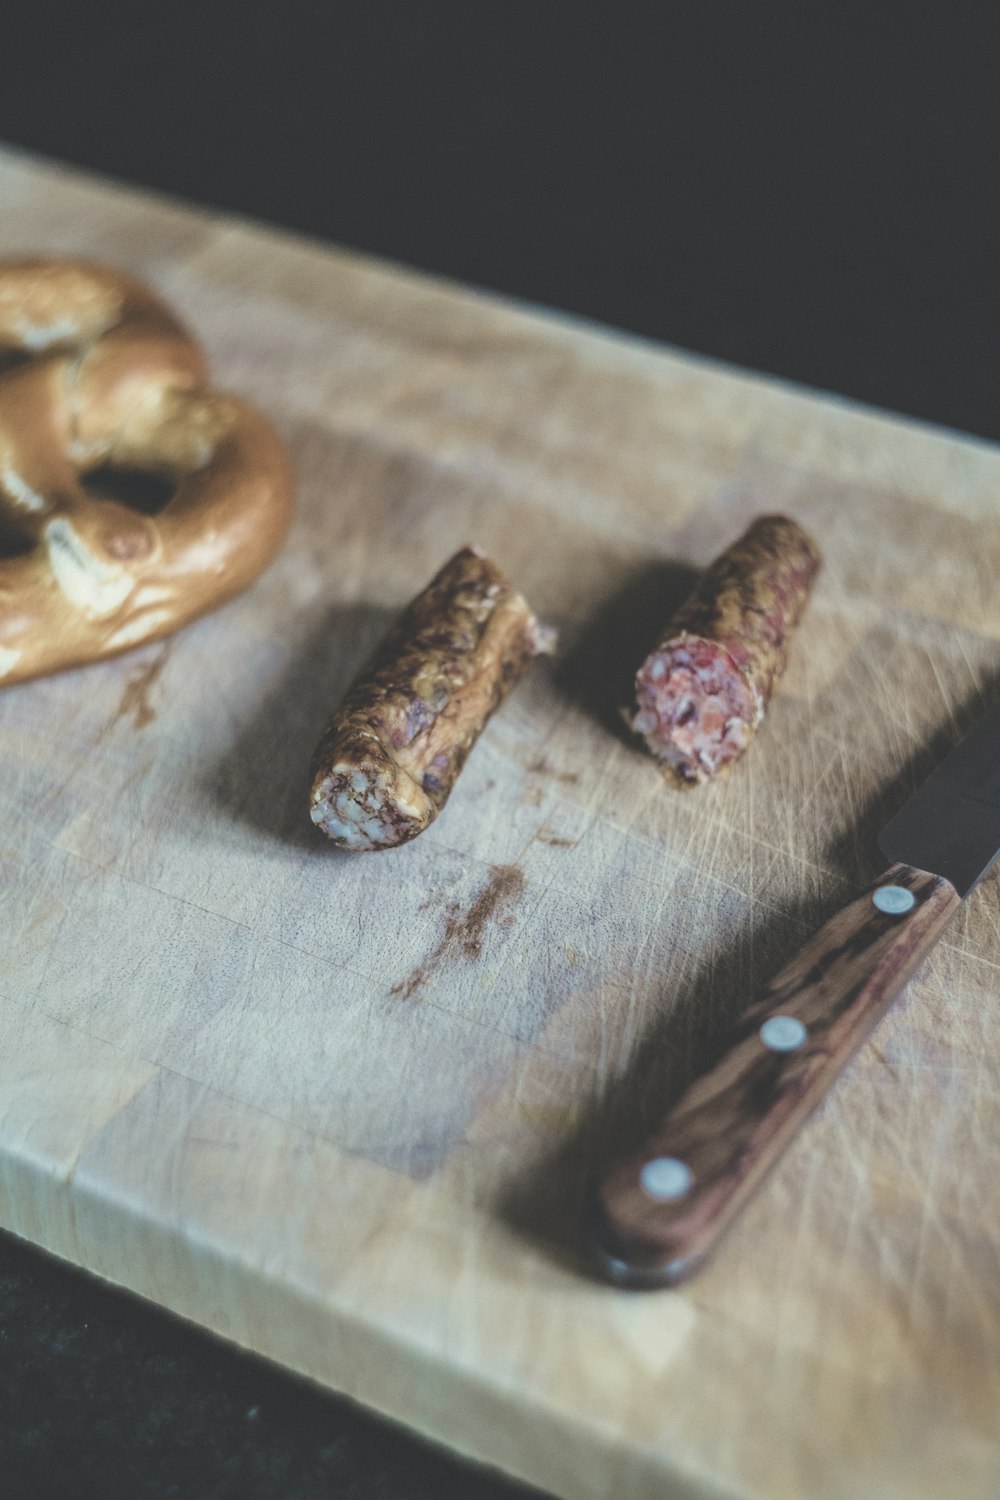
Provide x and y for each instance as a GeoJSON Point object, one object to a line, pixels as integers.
{"type": "Point", "coordinates": [662, 1210]}
{"type": "Point", "coordinates": [344, 1110]}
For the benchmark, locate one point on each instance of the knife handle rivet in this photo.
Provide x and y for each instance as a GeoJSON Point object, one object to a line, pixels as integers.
{"type": "Point", "coordinates": [665, 1178]}
{"type": "Point", "coordinates": [783, 1033]}
{"type": "Point", "coordinates": [894, 900]}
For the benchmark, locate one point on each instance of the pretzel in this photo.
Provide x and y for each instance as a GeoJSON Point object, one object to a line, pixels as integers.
{"type": "Point", "coordinates": [97, 373]}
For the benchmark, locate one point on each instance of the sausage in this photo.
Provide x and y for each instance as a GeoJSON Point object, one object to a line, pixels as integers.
{"type": "Point", "coordinates": [701, 694]}
{"type": "Point", "coordinates": [385, 767]}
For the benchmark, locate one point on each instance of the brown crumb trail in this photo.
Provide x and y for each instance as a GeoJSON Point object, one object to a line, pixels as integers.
{"type": "Point", "coordinates": [464, 932]}
{"type": "Point", "coordinates": [137, 692]}
{"type": "Point", "coordinates": [506, 883]}
{"type": "Point", "coordinates": [540, 767]}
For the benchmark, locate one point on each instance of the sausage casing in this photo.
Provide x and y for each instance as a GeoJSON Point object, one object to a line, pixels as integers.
{"type": "Point", "coordinates": [385, 767]}
{"type": "Point", "coordinates": [703, 691]}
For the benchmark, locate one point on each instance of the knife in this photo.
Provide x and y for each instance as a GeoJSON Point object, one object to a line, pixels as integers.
{"type": "Point", "coordinates": [658, 1212]}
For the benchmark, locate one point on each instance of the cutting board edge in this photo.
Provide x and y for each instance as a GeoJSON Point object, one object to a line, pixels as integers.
{"type": "Point", "coordinates": [445, 1387]}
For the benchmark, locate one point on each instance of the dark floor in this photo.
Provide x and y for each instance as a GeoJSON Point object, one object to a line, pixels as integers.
{"type": "Point", "coordinates": [807, 190]}
{"type": "Point", "coordinates": [103, 1397]}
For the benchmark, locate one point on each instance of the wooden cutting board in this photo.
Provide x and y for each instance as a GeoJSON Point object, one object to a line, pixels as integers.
{"type": "Point", "coordinates": [340, 1109]}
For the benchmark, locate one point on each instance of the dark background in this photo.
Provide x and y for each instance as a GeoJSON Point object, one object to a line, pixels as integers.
{"type": "Point", "coordinates": [805, 189]}
{"type": "Point", "coordinates": [808, 190]}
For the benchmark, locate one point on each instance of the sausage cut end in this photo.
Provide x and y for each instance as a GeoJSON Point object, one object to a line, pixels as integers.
{"type": "Point", "coordinates": [694, 710]}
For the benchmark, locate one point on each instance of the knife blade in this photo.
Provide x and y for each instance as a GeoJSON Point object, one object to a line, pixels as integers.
{"type": "Point", "coordinates": [658, 1212]}
{"type": "Point", "coordinates": [952, 824]}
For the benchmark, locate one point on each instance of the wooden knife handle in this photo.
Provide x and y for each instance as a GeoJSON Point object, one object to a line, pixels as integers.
{"type": "Point", "coordinates": [661, 1210]}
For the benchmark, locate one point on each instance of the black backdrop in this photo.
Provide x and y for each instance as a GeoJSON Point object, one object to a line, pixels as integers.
{"type": "Point", "coordinates": [806, 189]}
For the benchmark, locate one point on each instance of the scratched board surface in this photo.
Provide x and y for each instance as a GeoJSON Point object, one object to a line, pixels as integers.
{"type": "Point", "coordinates": [342, 1109]}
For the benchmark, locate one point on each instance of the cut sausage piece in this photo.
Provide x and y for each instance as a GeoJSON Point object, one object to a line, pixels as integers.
{"type": "Point", "coordinates": [384, 769]}
{"type": "Point", "coordinates": [702, 693]}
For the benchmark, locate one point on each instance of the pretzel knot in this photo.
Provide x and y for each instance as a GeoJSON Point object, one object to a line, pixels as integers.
{"type": "Point", "coordinates": [96, 374]}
